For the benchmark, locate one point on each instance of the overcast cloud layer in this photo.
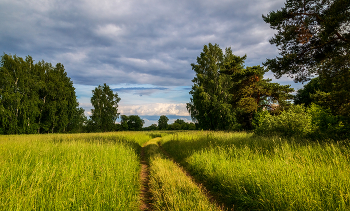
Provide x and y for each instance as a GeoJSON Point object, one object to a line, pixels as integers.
{"type": "Point", "coordinates": [141, 48]}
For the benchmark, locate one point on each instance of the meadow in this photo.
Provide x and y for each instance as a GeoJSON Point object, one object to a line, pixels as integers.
{"type": "Point", "coordinates": [101, 171]}
{"type": "Point", "coordinates": [247, 172]}
{"type": "Point", "coordinates": [70, 172]}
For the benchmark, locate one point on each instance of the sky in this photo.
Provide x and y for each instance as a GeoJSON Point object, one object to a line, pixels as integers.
{"type": "Point", "coordinates": [142, 49]}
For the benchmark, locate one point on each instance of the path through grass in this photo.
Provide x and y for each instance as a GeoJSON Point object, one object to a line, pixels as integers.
{"type": "Point", "coordinates": [254, 173]}
{"type": "Point", "coordinates": [171, 188]}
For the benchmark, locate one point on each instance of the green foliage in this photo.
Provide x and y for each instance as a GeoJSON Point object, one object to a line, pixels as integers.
{"type": "Point", "coordinates": [180, 124]}
{"type": "Point", "coordinates": [304, 95]}
{"type": "Point", "coordinates": [252, 92]}
{"type": "Point", "coordinates": [124, 122]}
{"type": "Point", "coordinates": [259, 117]}
{"type": "Point", "coordinates": [163, 122]}
{"type": "Point", "coordinates": [175, 126]}
{"type": "Point", "coordinates": [36, 98]}
{"type": "Point", "coordinates": [151, 127]}
{"type": "Point", "coordinates": [325, 124]}
{"type": "Point", "coordinates": [335, 94]}
{"type": "Point", "coordinates": [292, 122]}
{"type": "Point", "coordinates": [313, 37]}
{"type": "Point", "coordinates": [105, 111]}
{"type": "Point", "coordinates": [135, 123]}
{"type": "Point", "coordinates": [210, 92]}
{"type": "Point", "coordinates": [78, 122]}
{"type": "Point", "coordinates": [314, 122]}
{"type": "Point", "coordinates": [132, 122]}
{"type": "Point", "coordinates": [225, 95]}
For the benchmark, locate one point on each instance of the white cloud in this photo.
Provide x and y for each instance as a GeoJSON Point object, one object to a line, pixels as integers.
{"type": "Point", "coordinates": [154, 109]}
{"type": "Point", "coordinates": [110, 30]}
{"type": "Point", "coordinates": [72, 57]}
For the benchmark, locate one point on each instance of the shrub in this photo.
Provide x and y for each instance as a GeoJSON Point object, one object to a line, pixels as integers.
{"type": "Point", "coordinates": [325, 124]}
{"type": "Point", "coordinates": [292, 122]}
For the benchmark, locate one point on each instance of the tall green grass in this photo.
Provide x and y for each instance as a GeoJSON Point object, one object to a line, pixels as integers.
{"type": "Point", "coordinates": [171, 188]}
{"type": "Point", "coordinates": [70, 172]}
{"type": "Point", "coordinates": [248, 172]}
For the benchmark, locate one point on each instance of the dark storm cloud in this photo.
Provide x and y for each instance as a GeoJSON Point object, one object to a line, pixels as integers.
{"type": "Point", "coordinates": [135, 42]}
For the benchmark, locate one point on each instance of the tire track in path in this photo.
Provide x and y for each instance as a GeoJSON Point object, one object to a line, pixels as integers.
{"type": "Point", "coordinates": [211, 197]}
{"type": "Point", "coordinates": [146, 196]}
{"type": "Point", "coordinates": [153, 146]}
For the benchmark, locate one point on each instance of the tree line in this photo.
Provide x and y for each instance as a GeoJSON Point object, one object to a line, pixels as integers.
{"type": "Point", "coordinates": [40, 98]}
{"type": "Point", "coordinates": [36, 98]}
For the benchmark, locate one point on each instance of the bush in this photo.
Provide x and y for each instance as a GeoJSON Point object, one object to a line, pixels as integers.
{"type": "Point", "coordinates": [293, 122]}
{"type": "Point", "coordinates": [324, 124]}
{"type": "Point", "coordinates": [313, 122]}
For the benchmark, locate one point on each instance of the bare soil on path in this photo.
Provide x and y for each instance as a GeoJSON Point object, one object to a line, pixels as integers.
{"type": "Point", "coordinates": [146, 196]}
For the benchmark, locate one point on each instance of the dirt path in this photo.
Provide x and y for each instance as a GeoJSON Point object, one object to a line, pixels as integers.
{"type": "Point", "coordinates": [146, 197]}
{"type": "Point", "coordinates": [211, 198]}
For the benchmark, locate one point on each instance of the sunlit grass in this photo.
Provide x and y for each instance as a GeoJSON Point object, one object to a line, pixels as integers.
{"type": "Point", "coordinates": [250, 172]}
{"type": "Point", "coordinates": [171, 188]}
{"type": "Point", "coordinates": [78, 172]}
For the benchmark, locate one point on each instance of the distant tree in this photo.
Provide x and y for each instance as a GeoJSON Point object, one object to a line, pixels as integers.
{"type": "Point", "coordinates": [135, 123]}
{"type": "Point", "coordinates": [163, 122]}
{"type": "Point", "coordinates": [313, 37]}
{"type": "Point", "coordinates": [151, 127]}
{"type": "Point", "coordinates": [180, 121]}
{"type": "Point", "coordinates": [105, 111]}
{"type": "Point", "coordinates": [191, 126]}
{"type": "Point", "coordinates": [124, 122]}
{"type": "Point", "coordinates": [175, 126]}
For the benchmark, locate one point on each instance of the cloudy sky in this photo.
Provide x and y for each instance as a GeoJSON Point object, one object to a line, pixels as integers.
{"type": "Point", "coordinates": [141, 48]}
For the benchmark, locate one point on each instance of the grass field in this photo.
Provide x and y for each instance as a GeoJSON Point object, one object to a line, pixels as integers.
{"type": "Point", "coordinates": [242, 171]}
{"type": "Point", "coordinates": [253, 173]}
{"type": "Point", "coordinates": [70, 172]}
